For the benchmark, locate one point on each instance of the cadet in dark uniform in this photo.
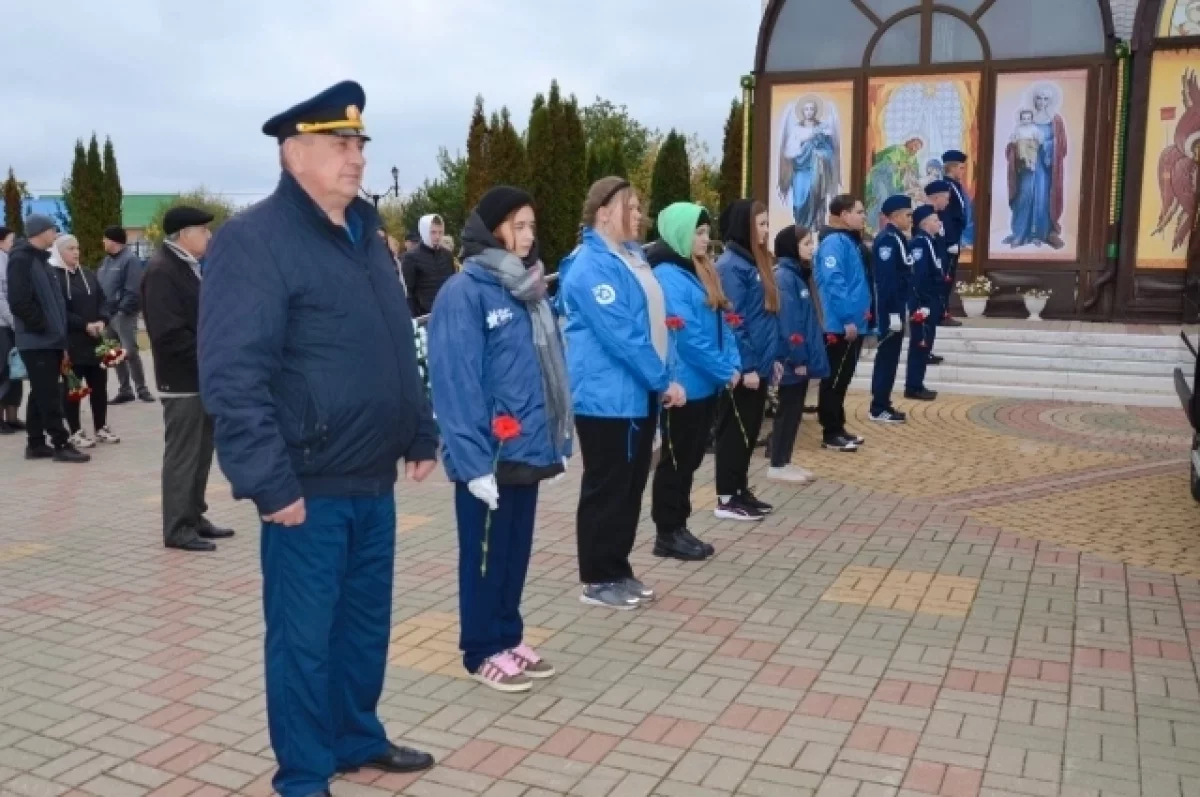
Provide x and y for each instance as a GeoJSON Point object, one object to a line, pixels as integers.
{"type": "Point", "coordinates": [893, 284]}
{"type": "Point", "coordinates": [954, 224]}
{"type": "Point", "coordinates": [925, 300]}
{"type": "Point", "coordinates": [308, 367]}
{"type": "Point", "coordinates": [938, 192]}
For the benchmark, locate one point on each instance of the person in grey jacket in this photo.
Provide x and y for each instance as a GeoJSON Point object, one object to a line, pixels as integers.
{"type": "Point", "coordinates": [40, 320]}
{"type": "Point", "coordinates": [11, 390]}
{"type": "Point", "coordinates": [121, 279]}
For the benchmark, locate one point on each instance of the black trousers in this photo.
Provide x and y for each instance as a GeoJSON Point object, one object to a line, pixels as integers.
{"type": "Point", "coordinates": [16, 388]}
{"type": "Point", "coordinates": [45, 413]}
{"type": "Point", "coordinates": [831, 406]}
{"type": "Point", "coordinates": [616, 465]}
{"type": "Point", "coordinates": [187, 458]}
{"type": "Point", "coordinates": [685, 435]}
{"type": "Point", "coordinates": [739, 420]}
{"type": "Point", "coordinates": [97, 379]}
{"type": "Point", "coordinates": [787, 422]}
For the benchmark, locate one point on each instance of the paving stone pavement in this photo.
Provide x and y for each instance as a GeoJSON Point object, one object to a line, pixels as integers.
{"type": "Point", "coordinates": [999, 599]}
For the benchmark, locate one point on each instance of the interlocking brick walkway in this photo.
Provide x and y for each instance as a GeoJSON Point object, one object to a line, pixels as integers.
{"type": "Point", "coordinates": [999, 599]}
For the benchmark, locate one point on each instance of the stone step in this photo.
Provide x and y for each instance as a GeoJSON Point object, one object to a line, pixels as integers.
{"type": "Point", "coordinates": [1139, 340]}
{"type": "Point", "coordinates": [1177, 355]}
{"type": "Point", "coordinates": [1128, 365]}
{"type": "Point", "coordinates": [950, 374]}
{"type": "Point", "coordinates": [1036, 393]}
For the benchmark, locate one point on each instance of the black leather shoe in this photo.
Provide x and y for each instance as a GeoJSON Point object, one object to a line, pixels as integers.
{"type": "Point", "coordinates": [145, 395]}
{"type": "Point", "coordinates": [196, 545]}
{"type": "Point", "coordinates": [7, 428]}
{"type": "Point", "coordinates": [397, 759]}
{"type": "Point", "coordinates": [39, 452]}
{"type": "Point", "coordinates": [935, 359]}
{"type": "Point", "coordinates": [950, 321]}
{"type": "Point", "coordinates": [18, 425]}
{"type": "Point", "coordinates": [708, 549]}
{"type": "Point", "coordinates": [921, 395]}
{"type": "Point", "coordinates": [673, 545]}
{"type": "Point", "coordinates": [71, 454]}
{"type": "Point", "coordinates": [122, 398]}
{"type": "Point", "coordinates": [210, 532]}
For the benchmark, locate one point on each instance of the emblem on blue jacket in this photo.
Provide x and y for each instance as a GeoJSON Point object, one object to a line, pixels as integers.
{"type": "Point", "coordinates": [831, 262]}
{"type": "Point", "coordinates": [885, 253]}
{"type": "Point", "coordinates": [804, 294]}
{"type": "Point", "coordinates": [604, 294]}
{"type": "Point", "coordinates": [498, 317]}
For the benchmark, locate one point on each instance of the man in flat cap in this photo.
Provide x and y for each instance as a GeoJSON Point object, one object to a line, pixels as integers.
{"type": "Point", "coordinates": [309, 369]}
{"type": "Point", "coordinates": [120, 277]}
{"type": "Point", "coordinates": [40, 322]}
{"type": "Point", "coordinates": [170, 300]}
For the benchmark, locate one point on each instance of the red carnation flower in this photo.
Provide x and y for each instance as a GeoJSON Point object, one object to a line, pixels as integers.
{"type": "Point", "coordinates": [870, 316]}
{"type": "Point", "coordinates": [831, 338]}
{"type": "Point", "coordinates": [505, 428]}
{"type": "Point", "coordinates": [796, 339]}
{"type": "Point", "coordinates": [733, 319]}
{"type": "Point", "coordinates": [674, 323]}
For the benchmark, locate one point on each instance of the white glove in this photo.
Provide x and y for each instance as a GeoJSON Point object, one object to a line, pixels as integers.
{"type": "Point", "coordinates": [925, 312]}
{"type": "Point", "coordinates": [953, 249]}
{"type": "Point", "coordinates": [485, 489]}
{"type": "Point", "coordinates": [895, 324]}
{"type": "Point", "coordinates": [562, 475]}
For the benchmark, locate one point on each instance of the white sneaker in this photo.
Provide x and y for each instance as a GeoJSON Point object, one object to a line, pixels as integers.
{"type": "Point", "coordinates": [105, 435]}
{"type": "Point", "coordinates": [81, 440]}
{"type": "Point", "coordinates": [790, 474]}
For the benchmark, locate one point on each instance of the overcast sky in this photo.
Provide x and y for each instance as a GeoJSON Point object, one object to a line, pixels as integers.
{"type": "Point", "coordinates": [183, 88]}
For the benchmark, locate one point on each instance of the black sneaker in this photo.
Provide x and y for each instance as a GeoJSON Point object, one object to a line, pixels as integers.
{"type": "Point", "coordinates": [708, 549]}
{"type": "Point", "coordinates": [839, 443]}
{"type": "Point", "coordinates": [6, 428]}
{"type": "Point", "coordinates": [921, 395]}
{"type": "Point", "coordinates": [145, 395]}
{"type": "Point", "coordinates": [122, 398]}
{"type": "Point", "coordinates": [853, 438]}
{"type": "Point", "coordinates": [737, 509]}
{"type": "Point", "coordinates": [71, 454]}
{"type": "Point", "coordinates": [935, 359]}
{"type": "Point", "coordinates": [888, 416]}
{"type": "Point", "coordinates": [751, 500]}
{"type": "Point", "coordinates": [18, 425]}
{"type": "Point", "coordinates": [674, 545]}
{"type": "Point", "coordinates": [950, 321]}
{"type": "Point", "coordinates": [39, 452]}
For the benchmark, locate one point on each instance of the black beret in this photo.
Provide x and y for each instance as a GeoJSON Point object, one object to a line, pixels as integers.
{"type": "Point", "coordinates": [954, 156]}
{"type": "Point", "coordinates": [178, 218]}
{"type": "Point", "coordinates": [115, 234]}
{"type": "Point", "coordinates": [496, 204]}
{"type": "Point", "coordinates": [937, 187]}
{"type": "Point", "coordinates": [922, 213]}
{"type": "Point", "coordinates": [895, 203]}
{"type": "Point", "coordinates": [336, 111]}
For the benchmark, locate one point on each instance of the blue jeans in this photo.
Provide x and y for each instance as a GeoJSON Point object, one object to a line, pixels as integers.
{"type": "Point", "coordinates": [327, 597]}
{"type": "Point", "coordinates": [489, 602]}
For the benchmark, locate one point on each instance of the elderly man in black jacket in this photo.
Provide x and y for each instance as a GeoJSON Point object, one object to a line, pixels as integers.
{"type": "Point", "coordinates": [170, 299]}
{"type": "Point", "coordinates": [40, 318]}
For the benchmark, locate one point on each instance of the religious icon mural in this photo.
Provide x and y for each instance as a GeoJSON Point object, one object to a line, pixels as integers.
{"type": "Point", "coordinates": [911, 121]}
{"type": "Point", "coordinates": [810, 151]}
{"type": "Point", "coordinates": [1168, 209]}
{"type": "Point", "coordinates": [1180, 18]}
{"type": "Point", "coordinates": [1037, 166]}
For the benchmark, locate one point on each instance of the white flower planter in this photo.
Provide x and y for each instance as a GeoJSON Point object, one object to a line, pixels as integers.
{"type": "Point", "coordinates": [974, 306]}
{"type": "Point", "coordinates": [1035, 307]}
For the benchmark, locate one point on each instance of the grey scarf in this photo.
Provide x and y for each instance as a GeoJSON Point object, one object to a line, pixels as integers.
{"type": "Point", "coordinates": [528, 285]}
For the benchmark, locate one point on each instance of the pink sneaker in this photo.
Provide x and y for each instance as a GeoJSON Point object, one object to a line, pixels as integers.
{"type": "Point", "coordinates": [503, 673]}
{"type": "Point", "coordinates": [531, 663]}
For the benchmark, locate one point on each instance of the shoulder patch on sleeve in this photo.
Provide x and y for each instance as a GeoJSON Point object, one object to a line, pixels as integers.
{"type": "Point", "coordinates": [604, 294]}
{"type": "Point", "coordinates": [885, 253]}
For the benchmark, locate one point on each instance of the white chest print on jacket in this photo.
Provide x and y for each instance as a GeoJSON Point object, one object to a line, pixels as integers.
{"type": "Point", "coordinates": [499, 317]}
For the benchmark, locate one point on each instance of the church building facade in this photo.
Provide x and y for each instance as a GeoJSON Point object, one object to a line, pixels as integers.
{"type": "Point", "coordinates": [1081, 119]}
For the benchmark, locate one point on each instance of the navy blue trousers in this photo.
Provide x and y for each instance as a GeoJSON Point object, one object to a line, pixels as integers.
{"type": "Point", "coordinates": [489, 601]}
{"type": "Point", "coordinates": [327, 596]}
{"type": "Point", "coordinates": [883, 377]}
{"type": "Point", "coordinates": [918, 355]}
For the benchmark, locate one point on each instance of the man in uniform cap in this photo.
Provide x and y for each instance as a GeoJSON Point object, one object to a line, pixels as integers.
{"type": "Point", "coordinates": [170, 300]}
{"type": "Point", "coordinates": [893, 281]}
{"type": "Point", "coordinates": [955, 221]}
{"type": "Point", "coordinates": [308, 366]}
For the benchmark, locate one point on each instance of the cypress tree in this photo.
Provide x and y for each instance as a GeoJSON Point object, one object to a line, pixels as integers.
{"type": "Point", "coordinates": [13, 218]}
{"type": "Point", "coordinates": [545, 150]}
{"type": "Point", "coordinates": [75, 188]}
{"type": "Point", "coordinates": [112, 187]}
{"type": "Point", "coordinates": [672, 177]}
{"type": "Point", "coordinates": [90, 228]}
{"type": "Point", "coordinates": [478, 156]}
{"type": "Point", "coordinates": [508, 161]}
{"type": "Point", "coordinates": [729, 184]}
{"type": "Point", "coordinates": [575, 182]}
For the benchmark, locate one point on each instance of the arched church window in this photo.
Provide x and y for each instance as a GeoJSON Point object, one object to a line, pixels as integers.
{"type": "Point", "coordinates": [900, 45]}
{"type": "Point", "coordinates": [801, 37]}
{"type": "Point", "coordinates": [954, 41]}
{"type": "Point", "coordinates": [1036, 28]}
{"type": "Point", "coordinates": [885, 9]}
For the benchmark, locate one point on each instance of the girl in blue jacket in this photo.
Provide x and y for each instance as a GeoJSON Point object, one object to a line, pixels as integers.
{"type": "Point", "coordinates": [803, 344]}
{"type": "Point", "coordinates": [496, 361]}
{"type": "Point", "coordinates": [703, 357]}
{"type": "Point", "coordinates": [617, 356]}
{"type": "Point", "coordinates": [748, 278]}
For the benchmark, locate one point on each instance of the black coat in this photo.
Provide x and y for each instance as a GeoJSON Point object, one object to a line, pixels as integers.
{"type": "Point", "coordinates": [85, 305]}
{"type": "Point", "coordinates": [425, 271]}
{"type": "Point", "coordinates": [170, 300]}
{"type": "Point", "coordinates": [35, 299]}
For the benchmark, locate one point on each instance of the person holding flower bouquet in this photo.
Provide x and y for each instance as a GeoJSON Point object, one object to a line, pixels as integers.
{"type": "Point", "coordinates": [502, 398]}
{"type": "Point", "coordinates": [805, 360]}
{"type": "Point", "coordinates": [925, 300]}
{"type": "Point", "coordinates": [703, 358]}
{"type": "Point", "coordinates": [747, 276]}
{"type": "Point", "coordinates": [87, 319]}
{"type": "Point", "coordinates": [617, 347]}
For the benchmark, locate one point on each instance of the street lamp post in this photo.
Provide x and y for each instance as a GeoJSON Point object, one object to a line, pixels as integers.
{"type": "Point", "coordinates": [394, 190]}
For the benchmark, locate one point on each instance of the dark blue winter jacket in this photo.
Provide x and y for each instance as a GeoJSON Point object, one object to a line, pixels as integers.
{"type": "Point", "coordinates": [758, 334]}
{"type": "Point", "coordinates": [307, 361]}
{"type": "Point", "coordinates": [800, 330]}
{"type": "Point", "coordinates": [893, 274]}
